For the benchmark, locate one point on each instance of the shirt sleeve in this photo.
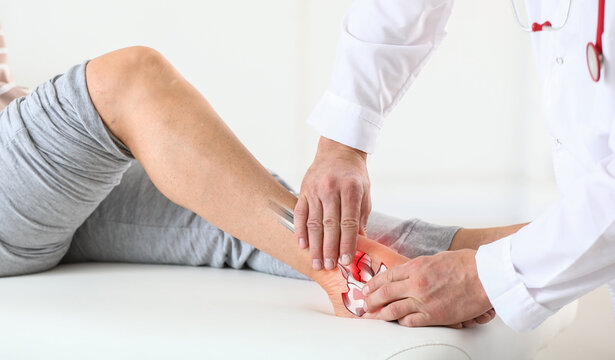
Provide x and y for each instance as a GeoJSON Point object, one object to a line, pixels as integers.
{"type": "Point", "coordinates": [562, 255]}
{"type": "Point", "coordinates": [383, 46]}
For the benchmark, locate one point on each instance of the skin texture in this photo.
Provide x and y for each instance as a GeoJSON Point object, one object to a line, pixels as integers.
{"type": "Point", "coordinates": [334, 204]}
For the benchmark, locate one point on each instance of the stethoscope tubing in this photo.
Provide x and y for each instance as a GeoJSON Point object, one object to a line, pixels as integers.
{"type": "Point", "coordinates": [539, 27]}
{"type": "Point", "coordinates": [595, 58]}
{"type": "Point", "coordinates": [600, 27]}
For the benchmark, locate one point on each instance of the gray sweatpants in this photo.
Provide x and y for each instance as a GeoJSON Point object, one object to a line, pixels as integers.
{"type": "Point", "coordinates": [70, 191]}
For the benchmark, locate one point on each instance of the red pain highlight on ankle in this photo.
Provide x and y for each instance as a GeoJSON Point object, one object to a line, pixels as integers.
{"type": "Point", "coordinates": [357, 274]}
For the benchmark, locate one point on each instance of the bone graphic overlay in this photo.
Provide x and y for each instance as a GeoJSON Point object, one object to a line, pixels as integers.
{"type": "Point", "coordinates": [357, 274]}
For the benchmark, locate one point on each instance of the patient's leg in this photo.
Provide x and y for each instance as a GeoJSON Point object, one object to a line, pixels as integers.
{"type": "Point", "coordinates": [8, 90]}
{"type": "Point", "coordinates": [474, 238]}
{"type": "Point", "coordinates": [196, 161]}
{"type": "Point", "coordinates": [137, 223]}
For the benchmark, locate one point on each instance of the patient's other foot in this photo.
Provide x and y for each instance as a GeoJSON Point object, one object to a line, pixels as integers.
{"type": "Point", "coordinates": [8, 90]}
{"type": "Point", "coordinates": [474, 238]}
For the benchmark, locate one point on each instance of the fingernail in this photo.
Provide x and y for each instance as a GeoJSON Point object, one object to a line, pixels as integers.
{"type": "Point", "coordinates": [302, 243]}
{"type": "Point", "coordinates": [365, 290]}
{"type": "Point", "coordinates": [345, 259]}
{"type": "Point", "coordinates": [329, 264]}
{"type": "Point", "coordinates": [365, 307]}
{"type": "Point", "coordinates": [317, 264]}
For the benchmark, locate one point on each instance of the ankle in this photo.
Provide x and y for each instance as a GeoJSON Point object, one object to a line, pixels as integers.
{"type": "Point", "coordinates": [344, 284]}
{"type": "Point", "coordinates": [474, 238]}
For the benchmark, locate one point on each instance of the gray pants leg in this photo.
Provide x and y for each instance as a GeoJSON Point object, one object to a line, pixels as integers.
{"type": "Point", "coordinates": [57, 163]}
{"type": "Point", "coordinates": [136, 223]}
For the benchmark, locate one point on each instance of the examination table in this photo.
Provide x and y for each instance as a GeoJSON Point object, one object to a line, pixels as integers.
{"type": "Point", "coordinates": [125, 311]}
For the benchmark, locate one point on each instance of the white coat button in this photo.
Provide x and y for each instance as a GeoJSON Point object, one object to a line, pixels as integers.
{"type": "Point", "coordinates": [559, 60]}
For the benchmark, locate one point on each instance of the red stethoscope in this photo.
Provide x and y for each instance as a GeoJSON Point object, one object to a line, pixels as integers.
{"type": "Point", "coordinates": [593, 49]}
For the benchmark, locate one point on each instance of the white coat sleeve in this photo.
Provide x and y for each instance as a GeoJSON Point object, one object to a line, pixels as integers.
{"type": "Point", "coordinates": [562, 255]}
{"type": "Point", "coordinates": [383, 46]}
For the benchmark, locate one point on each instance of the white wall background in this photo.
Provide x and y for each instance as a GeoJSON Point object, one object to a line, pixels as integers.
{"type": "Point", "coordinates": [466, 146]}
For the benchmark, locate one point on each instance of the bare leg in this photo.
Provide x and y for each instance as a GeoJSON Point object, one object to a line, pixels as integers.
{"type": "Point", "coordinates": [196, 161]}
{"type": "Point", "coordinates": [474, 238]}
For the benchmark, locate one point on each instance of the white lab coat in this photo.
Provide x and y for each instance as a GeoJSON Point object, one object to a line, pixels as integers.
{"type": "Point", "coordinates": [570, 249]}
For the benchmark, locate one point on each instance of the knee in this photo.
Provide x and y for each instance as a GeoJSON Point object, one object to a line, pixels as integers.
{"type": "Point", "coordinates": [120, 81]}
{"type": "Point", "coordinates": [140, 62]}
{"type": "Point", "coordinates": [125, 68]}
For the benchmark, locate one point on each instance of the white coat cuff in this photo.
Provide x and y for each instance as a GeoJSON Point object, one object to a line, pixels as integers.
{"type": "Point", "coordinates": [507, 293]}
{"type": "Point", "coordinates": [347, 123]}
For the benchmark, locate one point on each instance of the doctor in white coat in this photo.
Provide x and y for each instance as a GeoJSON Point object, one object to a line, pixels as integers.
{"type": "Point", "coordinates": [526, 277]}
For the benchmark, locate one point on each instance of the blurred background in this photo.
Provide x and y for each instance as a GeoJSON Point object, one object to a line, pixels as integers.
{"type": "Point", "coordinates": [466, 146]}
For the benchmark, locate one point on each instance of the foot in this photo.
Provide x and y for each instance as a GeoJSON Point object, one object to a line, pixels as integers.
{"type": "Point", "coordinates": [8, 90]}
{"type": "Point", "coordinates": [344, 284]}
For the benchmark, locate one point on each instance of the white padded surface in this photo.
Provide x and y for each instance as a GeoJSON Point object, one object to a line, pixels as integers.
{"type": "Point", "coordinates": [124, 311]}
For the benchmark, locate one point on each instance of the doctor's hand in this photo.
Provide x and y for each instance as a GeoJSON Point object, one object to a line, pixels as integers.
{"type": "Point", "coordinates": [442, 289]}
{"type": "Point", "coordinates": [333, 205]}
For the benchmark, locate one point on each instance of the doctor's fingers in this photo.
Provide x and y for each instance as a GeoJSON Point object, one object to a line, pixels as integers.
{"type": "Point", "coordinates": [485, 318]}
{"type": "Point", "coordinates": [352, 197]}
{"type": "Point", "coordinates": [387, 294]}
{"type": "Point", "coordinates": [469, 324]}
{"type": "Point", "coordinates": [331, 227]}
{"type": "Point", "coordinates": [366, 209]}
{"type": "Point", "coordinates": [397, 273]}
{"type": "Point", "coordinates": [479, 320]}
{"type": "Point", "coordinates": [475, 322]}
{"type": "Point", "coordinates": [314, 231]}
{"type": "Point", "coordinates": [398, 310]}
{"type": "Point", "coordinates": [301, 214]}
